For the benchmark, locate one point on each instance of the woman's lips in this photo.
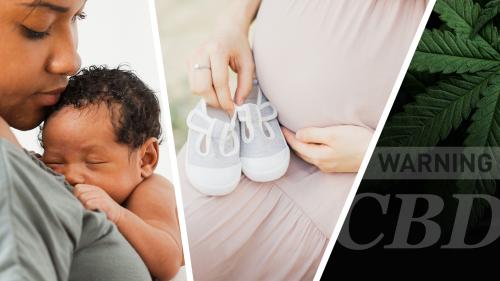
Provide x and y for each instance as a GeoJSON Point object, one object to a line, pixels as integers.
{"type": "Point", "coordinates": [49, 98]}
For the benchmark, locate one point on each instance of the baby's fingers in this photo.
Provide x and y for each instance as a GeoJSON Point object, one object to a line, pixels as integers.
{"type": "Point", "coordinates": [87, 196]}
{"type": "Point", "coordinates": [79, 189]}
{"type": "Point", "coordinates": [93, 204]}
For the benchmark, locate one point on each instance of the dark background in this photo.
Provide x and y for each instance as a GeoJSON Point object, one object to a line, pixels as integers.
{"type": "Point", "coordinates": [367, 222]}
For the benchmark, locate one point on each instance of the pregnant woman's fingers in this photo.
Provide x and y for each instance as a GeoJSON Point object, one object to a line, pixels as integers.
{"type": "Point", "coordinates": [200, 79]}
{"type": "Point", "coordinates": [245, 70]}
{"type": "Point", "coordinates": [311, 153]}
{"type": "Point", "coordinates": [219, 61]}
{"type": "Point", "coordinates": [314, 135]}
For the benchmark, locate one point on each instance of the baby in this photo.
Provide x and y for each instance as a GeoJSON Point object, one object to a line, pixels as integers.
{"type": "Point", "coordinates": [103, 136]}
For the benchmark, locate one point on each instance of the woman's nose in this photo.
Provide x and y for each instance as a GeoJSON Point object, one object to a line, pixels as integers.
{"type": "Point", "coordinates": [73, 176]}
{"type": "Point", "coordinates": [65, 59]}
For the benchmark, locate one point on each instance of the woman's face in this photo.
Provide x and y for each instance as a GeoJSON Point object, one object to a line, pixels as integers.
{"type": "Point", "coordinates": [38, 51]}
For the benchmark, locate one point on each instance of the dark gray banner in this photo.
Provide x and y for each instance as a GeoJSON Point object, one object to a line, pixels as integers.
{"type": "Point", "coordinates": [434, 163]}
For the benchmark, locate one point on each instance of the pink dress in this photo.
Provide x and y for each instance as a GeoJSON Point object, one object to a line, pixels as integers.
{"type": "Point", "coordinates": [321, 63]}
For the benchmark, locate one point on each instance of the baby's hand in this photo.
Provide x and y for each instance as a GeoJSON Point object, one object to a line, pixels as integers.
{"type": "Point", "coordinates": [95, 198]}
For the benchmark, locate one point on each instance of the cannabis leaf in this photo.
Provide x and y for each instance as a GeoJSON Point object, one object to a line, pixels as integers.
{"type": "Point", "coordinates": [445, 52]}
{"type": "Point", "coordinates": [485, 128]}
{"type": "Point", "coordinates": [461, 16]}
{"type": "Point", "coordinates": [490, 11]}
{"type": "Point", "coordinates": [434, 113]}
{"type": "Point", "coordinates": [463, 52]}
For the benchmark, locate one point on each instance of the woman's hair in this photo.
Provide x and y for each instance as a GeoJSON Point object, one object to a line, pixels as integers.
{"type": "Point", "coordinates": [133, 106]}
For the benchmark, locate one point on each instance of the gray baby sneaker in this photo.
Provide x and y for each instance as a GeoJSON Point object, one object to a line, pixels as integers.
{"type": "Point", "coordinates": [212, 158]}
{"type": "Point", "coordinates": [264, 152]}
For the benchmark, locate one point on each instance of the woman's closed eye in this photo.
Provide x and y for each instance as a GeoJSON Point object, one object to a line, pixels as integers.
{"type": "Point", "coordinates": [34, 34]}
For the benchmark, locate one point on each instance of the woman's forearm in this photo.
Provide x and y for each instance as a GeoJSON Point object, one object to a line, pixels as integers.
{"type": "Point", "coordinates": [241, 14]}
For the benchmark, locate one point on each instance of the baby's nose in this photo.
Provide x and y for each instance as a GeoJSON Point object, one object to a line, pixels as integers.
{"type": "Point", "coordinates": [73, 177]}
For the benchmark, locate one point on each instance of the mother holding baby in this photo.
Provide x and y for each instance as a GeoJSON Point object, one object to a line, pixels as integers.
{"type": "Point", "coordinates": [45, 232]}
{"type": "Point", "coordinates": [328, 67]}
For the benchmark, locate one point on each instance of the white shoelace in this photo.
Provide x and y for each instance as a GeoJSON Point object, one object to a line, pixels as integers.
{"type": "Point", "coordinates": [206, 134]}
{"type": "Point", "coordinates": [245, 117]}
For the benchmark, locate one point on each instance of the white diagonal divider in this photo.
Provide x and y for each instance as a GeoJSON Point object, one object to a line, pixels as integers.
{"type": "Point", "coordinates": [167, 123]}
{"type": "Point", "coordinates": [373, 142]}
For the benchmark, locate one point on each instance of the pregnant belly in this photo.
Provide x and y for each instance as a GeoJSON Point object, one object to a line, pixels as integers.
{"type": "Point", "coordinates": [324, 63]}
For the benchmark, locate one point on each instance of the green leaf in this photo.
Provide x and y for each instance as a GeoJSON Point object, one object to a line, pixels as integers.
{"type": "Point", "coordinates": [485, 127]}
{"type": "Point", "coordinates": [490, 34]}
{"type": "Point", "coordinates": [461, 16]}
{"type": "Point", "coordinates": [485, 132]}
{"type": "Point", "coordinates": [417, 82]}
{"type": "Point", "coordinates": [490, 11]}
{"type": "Point", "coordinates": [443, 51]}
{"type": "Point", "coordinates": [433, 114]}
{"type": "Point", "coordinates": [482, 2]}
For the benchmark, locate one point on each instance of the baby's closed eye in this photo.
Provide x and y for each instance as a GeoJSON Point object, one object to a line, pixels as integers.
{"type": "Point", "coordinates": [96, 162]}
{"type": "Point", "coordinates": [52, 161]}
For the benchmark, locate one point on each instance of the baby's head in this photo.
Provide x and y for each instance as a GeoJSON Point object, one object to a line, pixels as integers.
{"type": "Point", "coordinates": [104, 131]}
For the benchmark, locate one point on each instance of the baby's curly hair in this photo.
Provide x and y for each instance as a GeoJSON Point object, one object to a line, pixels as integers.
{"type": "Point", "coordinates": [134, 107]}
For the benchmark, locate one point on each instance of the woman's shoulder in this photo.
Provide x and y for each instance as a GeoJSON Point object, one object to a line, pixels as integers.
{"type": "Point", "coordinates": [17, 164]}
{"type": "Point", "coordinates": [6, 133]}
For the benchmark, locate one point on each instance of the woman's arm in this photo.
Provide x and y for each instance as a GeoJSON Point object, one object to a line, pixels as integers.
{"type": "Point", "coordinates": [241, 15]}
{"type": "Point", "coordinates": [228, 46]}
{"type": "Point", "coordinates": [150, 224]}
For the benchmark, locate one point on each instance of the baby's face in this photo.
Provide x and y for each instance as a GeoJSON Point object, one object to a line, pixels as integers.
{"type": "Point", "coordinates": [81, 145]}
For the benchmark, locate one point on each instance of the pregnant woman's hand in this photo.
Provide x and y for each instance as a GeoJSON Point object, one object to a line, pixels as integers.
{"type": "Point", "coordinates": [96, 199]}
{"type": "Point", "coordinates": [331, 149]}
{"type": "Point", "coordinates": [208, 67]}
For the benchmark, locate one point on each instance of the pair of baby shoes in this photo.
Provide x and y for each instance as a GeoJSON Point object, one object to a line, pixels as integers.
{"type": "Point", "coordinates": [220, 148]}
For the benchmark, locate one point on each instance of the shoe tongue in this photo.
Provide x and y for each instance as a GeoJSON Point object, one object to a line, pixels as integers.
{"type": "Point", "coordinates": [218, 129]}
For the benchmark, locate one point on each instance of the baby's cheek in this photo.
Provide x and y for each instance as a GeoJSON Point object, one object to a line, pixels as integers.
{"type": "Point", "coordinates": [117, 189]}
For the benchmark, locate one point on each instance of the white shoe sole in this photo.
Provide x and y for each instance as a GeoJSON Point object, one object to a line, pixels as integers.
{"type": "Point", "coordinates": [214, 182]}
{"type": "Point", "coordinates": [266, 169]}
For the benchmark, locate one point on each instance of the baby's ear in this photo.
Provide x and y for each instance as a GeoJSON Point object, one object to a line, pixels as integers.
{"type": "Point", "coordinates": [149, 153]}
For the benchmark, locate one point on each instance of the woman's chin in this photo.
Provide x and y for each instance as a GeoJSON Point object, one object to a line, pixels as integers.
{"type": "Point", "coordinates": [26, 120]}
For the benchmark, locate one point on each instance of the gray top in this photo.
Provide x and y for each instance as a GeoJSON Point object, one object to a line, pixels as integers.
{"type": "Point", "coordinates": [46, 234]}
